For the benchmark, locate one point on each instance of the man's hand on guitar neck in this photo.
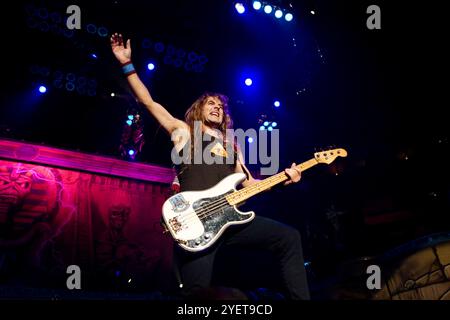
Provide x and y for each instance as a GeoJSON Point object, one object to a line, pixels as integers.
{"type": "Point", "coordinates": [293, 173]}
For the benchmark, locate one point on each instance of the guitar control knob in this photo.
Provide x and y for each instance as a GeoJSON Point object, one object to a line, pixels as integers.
{"type": "Point", "coordinates": [197, 242]}
{"type": "Point", "coordinates": [206, 236]}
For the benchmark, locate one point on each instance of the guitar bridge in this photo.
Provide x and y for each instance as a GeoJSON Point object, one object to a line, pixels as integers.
{"type": "Point", "coordinates": [175, 224]}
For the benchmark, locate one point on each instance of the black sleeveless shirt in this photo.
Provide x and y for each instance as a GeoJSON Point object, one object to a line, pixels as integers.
{"type": "Point", "coordinates": [195, 177]}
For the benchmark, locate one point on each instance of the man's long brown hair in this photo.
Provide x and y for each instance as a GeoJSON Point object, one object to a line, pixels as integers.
{"type": "Point", "coordinates": [195, 113]}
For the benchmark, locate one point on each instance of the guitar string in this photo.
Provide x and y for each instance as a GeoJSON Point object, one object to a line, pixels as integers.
{"type": "Point", "coordinates": [206, 211]}
{"type": "Point", "coordinates": [275, 177]}
{"type": "Point", "coordinates": [203, 212]}
{"type": "Point", "coordinates": [217, 205]}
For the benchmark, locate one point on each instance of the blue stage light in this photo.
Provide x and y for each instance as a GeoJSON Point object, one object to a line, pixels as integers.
{"type": "Point", "coordinates": [102, 32]}
{"type": "Point", "coordinates": [70, 86]}
{"type": "Point", "coordinates": [278, 14]}
{"type": "Point", "coordinates": [240, 8]}
{"type": "Point", "coordinates": [257, 5]}
{"type": "Point", "coordinates": [91, 28]}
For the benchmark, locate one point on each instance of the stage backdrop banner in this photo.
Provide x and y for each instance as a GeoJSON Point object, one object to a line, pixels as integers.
{"type": "Point", "coordinates": [108, 226]}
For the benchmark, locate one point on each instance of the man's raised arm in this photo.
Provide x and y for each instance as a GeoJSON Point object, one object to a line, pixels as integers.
{"type": "Point", "coordinates": [123, 54]}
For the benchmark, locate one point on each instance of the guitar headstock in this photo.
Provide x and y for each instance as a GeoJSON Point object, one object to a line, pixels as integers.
{"type": "Point", "coordinates": [328, 156]}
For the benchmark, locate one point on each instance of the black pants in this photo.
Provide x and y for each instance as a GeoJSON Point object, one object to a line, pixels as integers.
{"type": "Point", "coordinates": [283, 241]}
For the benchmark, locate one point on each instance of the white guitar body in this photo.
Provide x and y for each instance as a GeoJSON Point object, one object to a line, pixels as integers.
{"type": "Point", "coordinates": [196, 219]}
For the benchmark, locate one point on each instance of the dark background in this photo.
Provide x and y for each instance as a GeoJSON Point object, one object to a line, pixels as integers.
{"type": "Point", "coordinates": [376, 93]}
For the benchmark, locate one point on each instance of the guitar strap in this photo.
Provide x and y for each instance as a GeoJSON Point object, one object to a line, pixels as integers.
{"type": "Point", "coordinates": [245, 170]}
